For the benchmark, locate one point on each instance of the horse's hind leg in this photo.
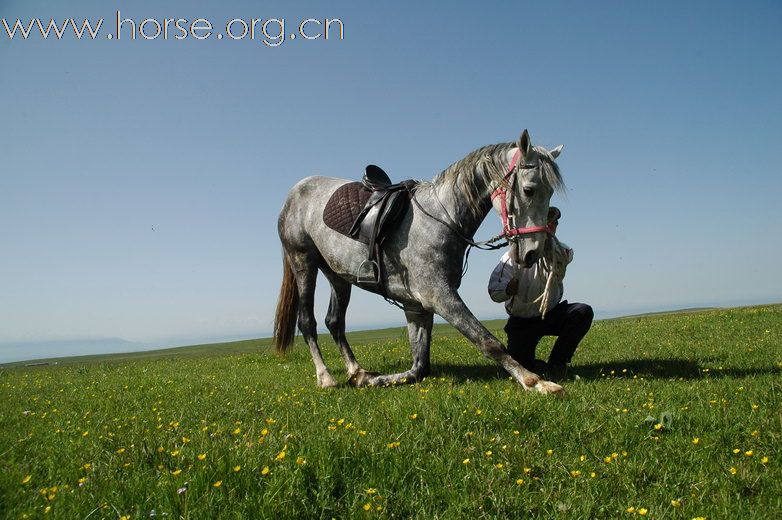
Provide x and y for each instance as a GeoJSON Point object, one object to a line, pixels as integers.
{"type": "Point", "coordinates": [306, 274]}
{"type": "Point", "coordinates": [419, 332]}
{"type": "Point", "coordinates": [335, 322]}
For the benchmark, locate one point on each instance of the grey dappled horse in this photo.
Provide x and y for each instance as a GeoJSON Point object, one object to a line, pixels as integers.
{"type": "Point", "coordinates": [423, 256]}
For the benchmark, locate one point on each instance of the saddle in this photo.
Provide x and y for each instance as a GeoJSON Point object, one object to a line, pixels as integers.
{"type": "Point", "coordinates": [369, 211]}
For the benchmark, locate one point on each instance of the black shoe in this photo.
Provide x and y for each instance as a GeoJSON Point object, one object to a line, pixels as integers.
{"type": "Point", "coordinates": [557, 372]}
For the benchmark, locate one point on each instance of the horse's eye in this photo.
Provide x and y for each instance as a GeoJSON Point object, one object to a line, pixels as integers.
{"type": "Point", "coordinates": [528, 192]}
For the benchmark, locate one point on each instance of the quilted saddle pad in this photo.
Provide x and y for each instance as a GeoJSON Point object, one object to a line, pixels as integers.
{"type": "Point", "coordinates": [344, 206]}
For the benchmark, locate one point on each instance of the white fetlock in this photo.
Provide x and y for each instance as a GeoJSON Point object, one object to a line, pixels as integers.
{"type": "Point", "coordinates": [326, 381]}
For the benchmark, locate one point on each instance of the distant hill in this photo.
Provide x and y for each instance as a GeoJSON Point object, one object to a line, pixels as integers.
{"type": "Point", "coordinates": [117, 349]}
{"type": "Point", "coordinates": [25, 350]}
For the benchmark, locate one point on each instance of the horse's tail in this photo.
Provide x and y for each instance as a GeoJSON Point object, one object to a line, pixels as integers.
{"type": "Point", "coordinates": [287, 309]}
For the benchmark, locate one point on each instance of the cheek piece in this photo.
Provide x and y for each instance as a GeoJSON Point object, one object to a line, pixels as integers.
{"type": "Point", "coordinates": [509, 232]}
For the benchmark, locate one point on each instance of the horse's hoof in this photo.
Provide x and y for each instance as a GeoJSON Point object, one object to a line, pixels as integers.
{"type": "Point", "coordinates": [361, 378]}
{"type": "Point", "coordinates": [547, 387]}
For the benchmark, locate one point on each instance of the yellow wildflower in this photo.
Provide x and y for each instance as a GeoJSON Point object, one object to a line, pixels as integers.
{"type": "Point", "coordinates": [280, 456]}
{"type": "Point", "coordinates": [367, 506]}
{"type": "Point", "coordinates": [466, 461]}
{"type": "Point", "coordinates": [201, 456]}
{"type": "Point", "coordinates": [642, 511]}
{"type": "Point", "coordinates": [301, 461]}
{"type": "Point", "coordinates": [575, 473]}
{"type": "Point", "coordinates": [733, 470]}
{"type": "Point", "coordinates": [413, 416]}
{"type": "Point", "coordinates": [519, 481]}
{"type": "Point", "coordinates": [237, 469]}
{"type": "Point", "coordinates": [176, 472]}
{"type": "Point", "coordinates": [217, 484]}
{"type": "Point", "coordinates": [696, 440]}
{"type": "Point", "coordinates": [121, 451]}
{"type": "Point", "coordinates": [764, 460]}
{"type": "Point", "coordinates": [676, 503]}
{"type": "Point", "coordinates": [26, 479]}
{"type": "Point", "coordinates": [749, 453]}
{"type": "Point", "coordinates": [265, 470]}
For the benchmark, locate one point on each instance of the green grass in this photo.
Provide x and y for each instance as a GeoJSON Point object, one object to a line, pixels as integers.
{"type": "Point", "coordinates": [120, 435]}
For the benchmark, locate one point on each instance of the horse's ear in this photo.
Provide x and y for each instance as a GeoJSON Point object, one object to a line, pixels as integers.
{"type": "Point", "coordinates": [556, 151]}
{"type": "Point", "coordinates": [525, 143]}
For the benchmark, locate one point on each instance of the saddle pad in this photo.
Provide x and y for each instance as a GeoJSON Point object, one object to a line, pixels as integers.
{"type": "Point", "coordinates": [344, 206]}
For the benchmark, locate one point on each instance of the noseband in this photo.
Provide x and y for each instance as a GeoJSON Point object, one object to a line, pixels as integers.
{"type": "Point", "coordinates": [508, 232]}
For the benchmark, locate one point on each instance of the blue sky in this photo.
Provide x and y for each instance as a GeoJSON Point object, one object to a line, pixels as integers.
{"type": "Point", "coordinates": [669, 112]}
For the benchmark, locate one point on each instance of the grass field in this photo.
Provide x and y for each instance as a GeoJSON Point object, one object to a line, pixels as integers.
{"type": "Point", "coordinates": [674, 416]}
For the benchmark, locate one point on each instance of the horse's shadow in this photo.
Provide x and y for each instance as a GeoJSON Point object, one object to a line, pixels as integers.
{"type": "Point", "coordinates": [648, 368]}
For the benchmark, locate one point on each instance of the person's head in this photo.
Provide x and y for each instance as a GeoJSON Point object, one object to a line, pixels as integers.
{"type": "Point", "coordinates": [553, 218]}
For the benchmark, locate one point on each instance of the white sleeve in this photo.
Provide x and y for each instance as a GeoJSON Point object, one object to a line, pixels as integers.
{"type": "Point", "coordinates": [500, 277]}
{"type": "Point", "coordinates": [567, 252]}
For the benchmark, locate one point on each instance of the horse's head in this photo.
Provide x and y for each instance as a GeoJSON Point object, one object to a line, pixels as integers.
{"type": "Point", "coordinates": [522, 200]}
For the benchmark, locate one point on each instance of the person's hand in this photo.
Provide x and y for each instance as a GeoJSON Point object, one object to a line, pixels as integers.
{"type": "Point", "coordinates": [512, 288]}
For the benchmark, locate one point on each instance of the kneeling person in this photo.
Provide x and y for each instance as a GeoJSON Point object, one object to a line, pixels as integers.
{"type": "Point", "coordinates": [533, 313]}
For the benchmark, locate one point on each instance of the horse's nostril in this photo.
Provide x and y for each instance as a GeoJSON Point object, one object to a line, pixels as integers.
{"type": "Point", "coordinates": [530, 258]}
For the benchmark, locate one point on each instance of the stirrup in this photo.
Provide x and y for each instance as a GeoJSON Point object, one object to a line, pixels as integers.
{"type": "Point", "coordinates": [368, 279]}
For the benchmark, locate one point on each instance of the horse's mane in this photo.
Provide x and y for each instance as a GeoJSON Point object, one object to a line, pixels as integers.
{"type": "Point", "coordinates": [473, 174]}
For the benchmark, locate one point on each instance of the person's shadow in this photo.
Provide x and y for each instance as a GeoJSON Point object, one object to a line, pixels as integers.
{"type": "Point", "coordinates": [648, 368]}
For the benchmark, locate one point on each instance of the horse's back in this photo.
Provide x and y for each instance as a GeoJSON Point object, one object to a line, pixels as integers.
{"type": "Point", "coordinates": [302, 214]}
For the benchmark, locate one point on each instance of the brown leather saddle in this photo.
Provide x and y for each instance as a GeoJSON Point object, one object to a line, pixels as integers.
{"type": "Point", "coordinates": [369, 211]}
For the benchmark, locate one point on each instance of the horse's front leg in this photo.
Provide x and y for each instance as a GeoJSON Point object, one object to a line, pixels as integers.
{"type": "Point", "coordinates": [451, 307]}
{"type": "Point", "coordinates": [419, 332]}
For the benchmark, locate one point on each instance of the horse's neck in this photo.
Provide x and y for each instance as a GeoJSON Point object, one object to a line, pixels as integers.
{"type": "Point", "coordinates": [468, 209]}
{"type": "Point", "coordinates": [446, 198]}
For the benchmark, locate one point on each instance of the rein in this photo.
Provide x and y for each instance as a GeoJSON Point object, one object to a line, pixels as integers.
{"type": "Point", "coordinates": [508, 233]}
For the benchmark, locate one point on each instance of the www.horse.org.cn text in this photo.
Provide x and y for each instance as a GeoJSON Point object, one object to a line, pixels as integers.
{"type": "Point", "coordinates": [270, 32]}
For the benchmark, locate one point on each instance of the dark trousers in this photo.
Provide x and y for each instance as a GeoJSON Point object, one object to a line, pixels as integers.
{"type": "Point", "coordinates": [568, 321]}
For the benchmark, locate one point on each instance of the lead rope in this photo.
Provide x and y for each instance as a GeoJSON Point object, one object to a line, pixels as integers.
{"type": "Point", "coordinates": [554, 263]}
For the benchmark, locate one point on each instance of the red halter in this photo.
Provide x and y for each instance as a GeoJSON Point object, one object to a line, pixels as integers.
{"type": "Point", "coordinates": [502, 193]}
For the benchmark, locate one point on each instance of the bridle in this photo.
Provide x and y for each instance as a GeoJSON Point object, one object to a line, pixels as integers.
{"type": "Point", "coordinates": [508, 232]}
